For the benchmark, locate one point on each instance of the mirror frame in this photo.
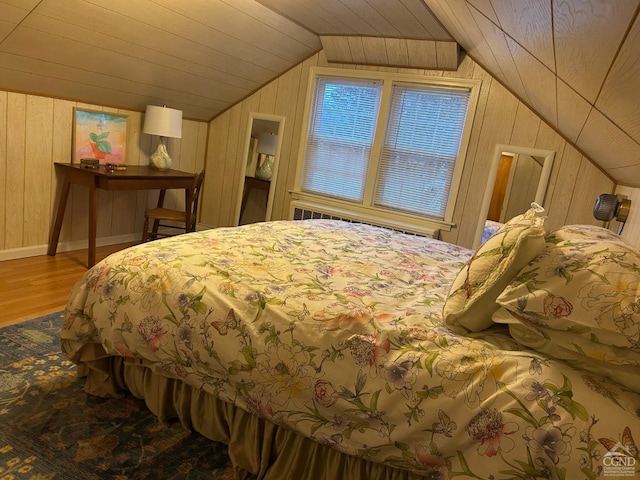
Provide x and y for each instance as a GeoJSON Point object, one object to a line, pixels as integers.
{"type": "Point", "coordinates": [545, 174]}
{"type": "Point", "coordinates": [279, 119]}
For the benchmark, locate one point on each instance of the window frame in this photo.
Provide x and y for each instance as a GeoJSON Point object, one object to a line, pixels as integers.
{"type": "Point", "coordinates": [388, 79]}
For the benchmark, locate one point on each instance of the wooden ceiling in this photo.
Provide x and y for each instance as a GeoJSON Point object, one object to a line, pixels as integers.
{"type": "Point", "coordinates": [199, 56]}
{"type": "Point", "coordinates": [575, 62]}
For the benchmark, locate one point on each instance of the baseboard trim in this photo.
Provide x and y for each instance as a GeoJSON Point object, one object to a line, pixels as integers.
{"type": "Point", "coordinates": [203, 226]}
{"type": "Point", "coordinates": [36, 250]}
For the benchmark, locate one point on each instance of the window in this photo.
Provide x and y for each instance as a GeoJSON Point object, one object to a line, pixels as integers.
{"type": "Point", "coordinates": [420, 148]}
{"type": "Point", "coordinates": [341, 135]}
{"type": "Point", "coordinates": [387, 143]}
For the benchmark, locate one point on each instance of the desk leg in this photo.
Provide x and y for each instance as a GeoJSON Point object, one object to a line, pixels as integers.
{"type": "Point", "coordinates": [245, 197]}
{"type": "Point", "coordinates": [188, 196]}
{"type": "Point", "coordinates": [57, 226]}
{"type": "Point", "coordinates": [93, 224]}
{"type": "Point", "coordinates": [156, 223]}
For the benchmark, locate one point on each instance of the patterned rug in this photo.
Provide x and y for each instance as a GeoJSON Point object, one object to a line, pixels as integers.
{"type": "Point", "coordinates": [51, 429]}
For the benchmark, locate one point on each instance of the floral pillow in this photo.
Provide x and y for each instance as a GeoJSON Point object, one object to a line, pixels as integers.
{"type": "Point", "coordinates": [578, 233]}
{"type": "Point", "coordinates": [619, 364]}
{"type": "Point", "coordinates": [471, 300]}
{"type": "Point", "coordinates": [585, 284]}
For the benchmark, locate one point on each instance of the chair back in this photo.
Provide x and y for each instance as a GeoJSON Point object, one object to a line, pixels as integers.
{"type": "Point", "coordinates": [192, 203]}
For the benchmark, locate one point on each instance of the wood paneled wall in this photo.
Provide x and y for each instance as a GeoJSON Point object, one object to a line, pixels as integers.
{"type": "Point", "coordinates": [35, 132]}
{"type": "Point", "coordinates": [500, 118]}
{"type": "Point", "coordinates": [631, 230]}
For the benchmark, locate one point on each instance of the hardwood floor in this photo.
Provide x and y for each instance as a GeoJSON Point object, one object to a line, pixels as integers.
{"type": "Point", "coordinates": [34, 286]}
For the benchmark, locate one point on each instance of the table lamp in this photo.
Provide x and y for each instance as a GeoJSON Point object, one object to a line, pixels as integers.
{"type": "Point", "coordinates": [164, 122]}
{"type": "Point", "coordinates": [267, 144]}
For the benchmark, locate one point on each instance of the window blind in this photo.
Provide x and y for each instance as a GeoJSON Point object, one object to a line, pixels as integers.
{"type": "Point", "coordinates": [341, 132]}
{"type": "Point", "coordinates": [420, 148]}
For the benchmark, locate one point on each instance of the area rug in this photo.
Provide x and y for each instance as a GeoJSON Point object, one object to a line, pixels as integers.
{"type": "Point", "coordinates": [51, 429]}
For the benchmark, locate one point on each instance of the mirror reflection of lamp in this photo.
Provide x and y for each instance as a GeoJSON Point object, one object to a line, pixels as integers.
{"type": "Point", "coordinates": [609, 206]}
{"type": "Point", "coordinates": [164, 122]}
{"type": "Point", "coordinates": [267, 143]}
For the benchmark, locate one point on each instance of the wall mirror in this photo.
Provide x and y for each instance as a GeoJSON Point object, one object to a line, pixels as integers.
{"type": "Point", "coordinates": [517, 177]}
{"type": "Point", "coordinates": [261, 152]}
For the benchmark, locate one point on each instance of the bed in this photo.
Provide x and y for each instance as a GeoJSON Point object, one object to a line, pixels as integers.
{"type": "Point", "coordinates": [490, 228]}
{"type": "Point", "coordinates": [327, 349]}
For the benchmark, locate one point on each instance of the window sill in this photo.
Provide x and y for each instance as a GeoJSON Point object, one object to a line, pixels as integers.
{"type": "Point", "coordinates": [319, 207]}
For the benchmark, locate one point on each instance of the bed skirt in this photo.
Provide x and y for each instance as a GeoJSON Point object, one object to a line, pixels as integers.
{"type": "Point", "coordinates": [258, 449]}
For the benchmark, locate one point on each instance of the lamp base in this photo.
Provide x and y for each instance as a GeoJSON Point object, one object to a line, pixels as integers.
{"type": "Point", "coordinates": [160, 159]}
{"type": "Point", "coordinates": [264, 170]}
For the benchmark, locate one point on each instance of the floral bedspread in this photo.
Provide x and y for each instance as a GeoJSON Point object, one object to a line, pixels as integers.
{"type": "Point", "coordinates": [334, 330]}
{"type": "Point", "coordinates": [490, 227]}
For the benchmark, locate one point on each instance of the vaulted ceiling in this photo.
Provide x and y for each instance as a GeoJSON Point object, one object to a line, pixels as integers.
{"type": "Point", "coordinates": [575, 62]}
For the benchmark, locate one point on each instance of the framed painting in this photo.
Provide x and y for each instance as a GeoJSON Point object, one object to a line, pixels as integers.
{"type": "Point", "coordinates": [99, 135]}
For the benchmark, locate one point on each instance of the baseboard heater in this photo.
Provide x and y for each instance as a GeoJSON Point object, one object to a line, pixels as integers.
{"type": "Point", "coordinates": [310, 211]}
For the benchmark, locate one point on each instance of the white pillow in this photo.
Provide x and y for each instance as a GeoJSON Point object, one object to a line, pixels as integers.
{"type": "Point", "coordinates": [471, 300]}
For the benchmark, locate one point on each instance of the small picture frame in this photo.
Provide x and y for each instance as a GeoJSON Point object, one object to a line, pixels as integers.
{"type": "Point", "coordinates": [99, 135]}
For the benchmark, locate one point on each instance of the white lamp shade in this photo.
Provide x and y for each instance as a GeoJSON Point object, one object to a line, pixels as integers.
{"type": "Point", "coordinates": [267, 143]}
{"type": "Point", "coordinates": [163, 121]}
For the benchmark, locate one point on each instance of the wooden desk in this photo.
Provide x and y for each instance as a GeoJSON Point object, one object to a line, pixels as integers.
{"type": "Point", "coordinates": [253, 183]}
{"type": "Point", "coordinates": [135, 177]}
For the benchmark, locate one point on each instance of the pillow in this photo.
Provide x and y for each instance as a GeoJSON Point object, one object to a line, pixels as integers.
{"type": "Point", "coordinates": [582, 294]}
{"type": "Point", "coordinates": [619, 364]}
{"type": "Point", "coordinates": [471, 299]}
{"type": "Point", "coordinates": [573, 340]}
{"type": "Point", "coordinates": [579, 233]}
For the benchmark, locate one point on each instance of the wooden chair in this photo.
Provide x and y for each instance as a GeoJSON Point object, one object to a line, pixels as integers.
{"type": "Point", "coordinates": [160, 214]}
